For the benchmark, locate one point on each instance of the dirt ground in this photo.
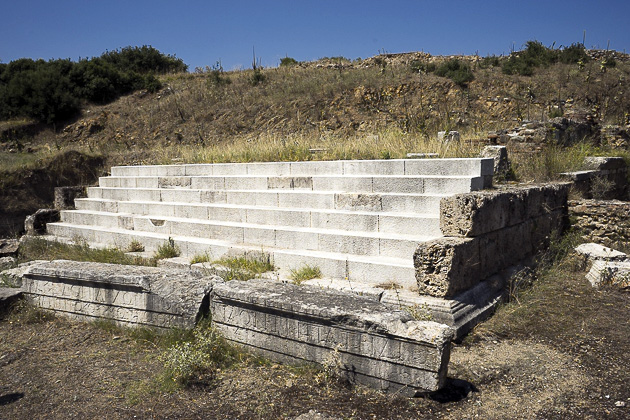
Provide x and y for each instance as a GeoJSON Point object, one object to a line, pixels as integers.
{"type": "Point", "coordinates": [559, 351]}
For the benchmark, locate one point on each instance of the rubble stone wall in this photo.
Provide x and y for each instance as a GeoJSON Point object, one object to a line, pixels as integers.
{"type": "Point", "coordinates": [486, 232]}
{"type": "Point", "coordinates": [606, 222]}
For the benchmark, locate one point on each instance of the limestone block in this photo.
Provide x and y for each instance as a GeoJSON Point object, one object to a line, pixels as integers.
{"type": "Point", "coordinates": [173, 182]}
{"type": "Point", "coordinates": [374, 167]}
{"type": "Point", "coordinates": [290, 182]}
{"type": "Point", "coordinates": [412, 185]}
{"type": "Point", "coordinates": [476, 213]}
{"type": "Point", "coordinates": [130, 294]}
{"type": "Point", "coordinates": [348, 201]}
{"type": "Point", "coordinates": [500, 157]}
{"type": "Point", "coordinates": [610, 273]}
{"type": "Point", "coordinates": [371, 344]}
{"type": "Point", "coordinates": [447, 266]}
{"type": "Point", "coordinates": [592, 251]}
{"type": "Point", "coordinates": [364, 222]}
{"type": "Point", "coordinates": [7, 263]}
{"type": "Point", "coordinates": [9, 247]}
{"type": "Point", "coordinates": [604, 163]}
{"type": "Point", "coordinates": [302, 199]}
{"type": "Point", "coordinates": [35, 224]}
{"type": "Point", "coordinates": [448, 136]}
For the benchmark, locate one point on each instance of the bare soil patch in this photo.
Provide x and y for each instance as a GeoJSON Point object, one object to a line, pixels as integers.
{"type": "Point", "coordinates": [561, 351]}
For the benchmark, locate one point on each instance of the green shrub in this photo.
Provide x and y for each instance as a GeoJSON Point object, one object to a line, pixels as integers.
{"type": "Point", "coordinates": [257, 77]}
{"type": "Point", "coordinates": [200, 357]}
{"type": "Point", "coordinates": [242, 268]}
{"type": "Point", "coordinates": [167, 250]}
{"type": "Point", "coordinates": [489, 61]}
{"type": "Point", "coordinates": [52, 91]}
{"type": "Point", "coordinates": [419, 66]}
{"type": "Point", "coordinates": [304, 273]}
{"type": "Point", "coordinates": [536, 55]}
{"type": "Point", "coordinates": [456, 70]}
{"type": "Point", "coordinates": [288, 62]}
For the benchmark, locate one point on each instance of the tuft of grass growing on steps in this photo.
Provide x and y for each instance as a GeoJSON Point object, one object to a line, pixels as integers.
{"type": "Point", "coordinates": [43, 249]}
{"type": "Point", "coordinates": [167, 250]}
{"type": "Point", "coordinates": [200, 258]}
{"type": "Point", "coordinates": [306, 272]}
{"type": "Point", "coordinates": [242, 268]}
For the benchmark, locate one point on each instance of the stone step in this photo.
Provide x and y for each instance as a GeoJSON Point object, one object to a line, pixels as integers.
{"type": "Point", "coordinates": [469, 167]}
{"type": "Point", "coordinates": [346, 183]}
{"type": "Point", "coordinates": [278, 236]}
{"type": "Point", "coordinates": [373, 270]}
{"type": "Point", "coordinates": [380, 202]}
{"type": "Point", "coordinates": [367, 221]}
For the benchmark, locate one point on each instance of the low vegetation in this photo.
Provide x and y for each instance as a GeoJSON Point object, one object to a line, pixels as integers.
{"type": "Point", "coordinates": [53, 91]}
{"type": "Point", "coordinates": [243, 268]}
{"type": "Point", "coordinates": [43, 249]}
{"type": "Point", "coordinates": [306, 272]}
{"type": "Point", "coordinates": [168, 249]}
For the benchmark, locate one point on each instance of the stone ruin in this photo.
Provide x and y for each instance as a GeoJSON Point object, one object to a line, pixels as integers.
{"type": "Point", "coordinates": [413, 253]}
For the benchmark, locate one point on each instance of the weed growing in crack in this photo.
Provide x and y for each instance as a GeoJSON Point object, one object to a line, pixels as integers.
{"type": "Point", "coordinates": [167, 250]}
{"type": "Point", "coordinates": [306, 272]}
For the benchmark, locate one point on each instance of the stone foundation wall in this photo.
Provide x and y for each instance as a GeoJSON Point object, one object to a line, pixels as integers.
{"type": "Point", "coordinates": [128, 295]}
{"type": "Point", "coordinates": [603, 178]}
{"type": "Point", "coordinates": [487, 232]}
{"type": "Point", "coordinates": [365, 340]}
{"type": "Point", "coordinates": [606, 222]}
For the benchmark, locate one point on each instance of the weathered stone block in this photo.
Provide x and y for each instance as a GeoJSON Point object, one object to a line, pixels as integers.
{"type": "Point", "coordinates": [9, 247]}
{"type": "Point", "coordinates": [610, 273]}
{"type": "Point", "coordinates": [447, 266]}
{"type": "Point", "coordinates": [500, 157]}
{"type": "Point", "coordinates": [370, 343]}
{"type": "Point", "coordinates": [35, 224]}
{"type": "Point", "coordinates": [604, 163]}
{"type": "Point", "coordinates": [127, 294]}
{"type": "Point", "coordinates": [476, 213]}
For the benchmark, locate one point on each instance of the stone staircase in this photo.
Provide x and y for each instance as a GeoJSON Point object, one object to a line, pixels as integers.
{"type": "Point", "coordinates": [355, 220]}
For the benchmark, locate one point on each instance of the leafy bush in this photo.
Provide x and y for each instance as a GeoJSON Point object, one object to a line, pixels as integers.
{"type": "Point", "coordinates": [536, 55]}
{"type": "Point", "coordinates": [419, 66]}
{"type": "Point", "coordinates": [52, 91]}
{"type": "Point", "coordinates": [456, 70]}
{"type": "Point", "coordinates": [489, 61]}
{"type": "Point", "coordinates": [288, 62]}
{"type": "Point", "coordinates": [207, 352]}
{"type": "Point", "coordinates": [167, 250]}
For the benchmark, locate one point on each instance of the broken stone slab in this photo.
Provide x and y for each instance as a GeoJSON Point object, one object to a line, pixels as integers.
{"type": "Point", "coordinates": [7, 263]}
{"type": "Point", "coordinates": [479, 212]}
{"type": "Point", "coordinates": [592, 251]}
{"type": "Point", "coordinates": [13, 276]}
{"type": "Point", "coordinates": [35, 224]}
{"type": "Point", "coordinates": [500, 156]}
{"type": "Point", "coordinates": [368, 342]}
{"type": "Point", "coordinates": [604, 163]}
{"type": "Point", "coordinates": [8, 297]}
{"type": "Point", "coordinates": [447, 136]}
{"type": "Point", "coordinates": [130, 295]}
{"type": "Point", "coordinates": [9, 247]}
{"type": "Point", "coordinates": [610, 273]}
{"type": "Point", "coordinates": [447, 266]}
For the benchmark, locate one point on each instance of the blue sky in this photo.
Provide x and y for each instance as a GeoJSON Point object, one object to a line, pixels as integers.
{"type": "Point", "coordinates": [203, 32]}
